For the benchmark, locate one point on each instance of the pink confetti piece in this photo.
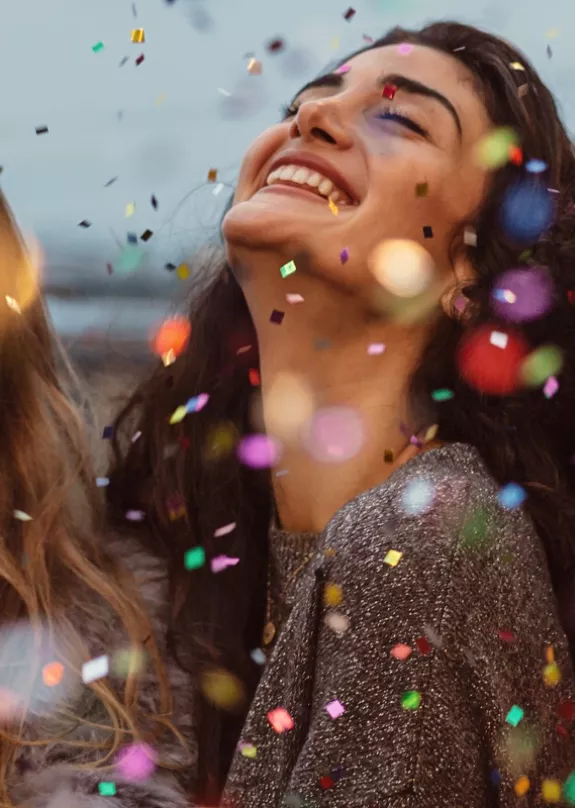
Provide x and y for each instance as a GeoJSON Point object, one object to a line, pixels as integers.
{"type": "Point", "coordinates": [294, 298]}
{"type": "Point", "coordinates": [375, 348]}
{"type": "Point", "coordinates": [405, 48]}
{"type": "Point", "coordinates": [335, 709]}
{"type": "Point", "coordinates": [343, 69]}
{"type": "Point", "coordinates": [401, 651]}
{"type": "Point", "coordinates": [344, 255]}
{"type": "Point", "coordinates": [135, 516]}
{"type": "Point", "coordinates": [225, 529]}
{"type": "Point", "coordinates": [222, 562]}
{"type": "Point", "coordinates": [551, 387]}
{"type": "Point", "coordinates": [280, 720]}
{"type": "Point", "coordinates": [136, 762]}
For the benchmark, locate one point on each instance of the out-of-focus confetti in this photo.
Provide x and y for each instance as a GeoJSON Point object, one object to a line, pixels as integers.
{"type": "Point", "coordinates": [195, 558]}
{"type": "Point", "coordinates": [52, 674]}
{"type": "Point", "coordinates": [106, 789]}
{"type": "Point", "coordinates": [280, 720]}
{"type": "Point", "coordinates": [22, 517]}
{"type": "Point", "coordinates": [136, 762]}
{"type": "Point", "coordinates": [95, 669]}
{"type": "Point", "coordinates": [98, 47]}
{"type": "Point", "coordinates": [349, 14]}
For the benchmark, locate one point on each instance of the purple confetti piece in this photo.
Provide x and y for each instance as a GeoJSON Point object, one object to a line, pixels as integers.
{"type": "Point", "coordinates": [222, 562]}
{"type": "Point", "coordinates": [135, 516]}
{"type": "Point", "coordinates": [344, 255]}
{"type": "Point", "coordinates": [335, 708]}
{"type": "Point", "coordinates": [551, 387]}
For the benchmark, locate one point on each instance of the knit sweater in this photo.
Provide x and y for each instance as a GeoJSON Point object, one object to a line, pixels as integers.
{"type": "Point", "coordinates": [423, 664]}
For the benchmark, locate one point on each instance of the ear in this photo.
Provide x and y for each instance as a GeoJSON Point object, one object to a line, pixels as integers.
{"type": "Point", "coordinates": [463, 274]}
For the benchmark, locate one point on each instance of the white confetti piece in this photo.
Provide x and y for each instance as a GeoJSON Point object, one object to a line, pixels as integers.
{"type": "Point", "coordinates": [225, 529]}
{"type": "Point", "coordinates": [23, 517]}
{"type": "Point", "coordinates": [95, 669]}
{"type": "Point", "coordinates": [499, 339]}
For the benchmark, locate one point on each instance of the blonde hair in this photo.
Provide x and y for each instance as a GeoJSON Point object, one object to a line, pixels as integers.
{"type": "Point", "coordinates": [53, 564]}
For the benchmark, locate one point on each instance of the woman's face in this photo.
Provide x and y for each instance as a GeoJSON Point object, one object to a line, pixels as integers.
{"type": "Point", "coordinates": [400, 167]}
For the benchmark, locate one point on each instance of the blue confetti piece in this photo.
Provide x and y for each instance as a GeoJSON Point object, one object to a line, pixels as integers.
{"type": "Point", "coordinates": [511, 496]}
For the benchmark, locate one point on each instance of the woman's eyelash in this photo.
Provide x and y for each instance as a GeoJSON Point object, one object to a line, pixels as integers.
{"type": "Point", "coordinates": [289, 111]}
{"type": "Point", "coordinates": [393, 114]}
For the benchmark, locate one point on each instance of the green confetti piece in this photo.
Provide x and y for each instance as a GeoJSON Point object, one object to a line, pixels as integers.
{"type": "Point", "coordinates": [569, 789]}
{"type": "Point", "coordinates": [411, 700]}
{"type": "Point", "coordinates": [514, 715]}
{"type": "Point", "coordinates": [107, 789]}
{"type": "Point", "coordinates": [195, 558]}
{"type": "Point", "coordinates": [179, 414]}
{"type": "Point", "coordinates": [98, 47]}
{"type": "Point", "coordinates": [288, 269]}
{"type": "Point", "coordinates": [543, 362]}
{"type": "Point", "coordinates": [129, 259]}
{"type": "Point", "coordinates": [442, 395]}
{"type": "Point", "coordinates": [478, 529]}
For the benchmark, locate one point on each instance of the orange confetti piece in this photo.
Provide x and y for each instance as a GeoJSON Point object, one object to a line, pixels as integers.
{"type": "Point", "coordinates": [52, 674]}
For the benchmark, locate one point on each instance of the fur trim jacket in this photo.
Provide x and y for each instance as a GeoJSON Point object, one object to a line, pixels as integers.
{"type": "Point", "coordinates": [62, 773]}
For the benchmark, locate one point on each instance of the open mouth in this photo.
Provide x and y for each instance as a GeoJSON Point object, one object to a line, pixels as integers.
{"type": "Point", "coordinates": [309, 180]}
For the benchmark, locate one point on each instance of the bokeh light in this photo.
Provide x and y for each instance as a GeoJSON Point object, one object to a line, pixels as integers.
{"type": "Point", "coordinates": [523, 294]}
{"type": "Point", "coordinates": [172, 336]}
{"type": "Point", "coordinates": [288, 406]}
{"type": "Point", "coordinates": [417, 496]}
{"type": "Point", "coordinates": [486, 366]}
{"type": "Point", "coordinates": [136, 762]}
{"type": "Point", "coordinates": [494, 149]}
{"type": "Point", "coordinates": [259, 451]}
{"type": "Point", "coordinates": [527, 211]}
{"type": "Point", "coordinates": [402, 267]}
{"type": "Point", "coordinates": [334, 434]}
{"type": "Point", "coordinates": [223, 689]}
{"type": "Point", "coordinates": [542, 363]}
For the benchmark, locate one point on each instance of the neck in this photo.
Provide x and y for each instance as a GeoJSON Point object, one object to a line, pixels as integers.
{"type": "Point", "coordinates": [324, 342]}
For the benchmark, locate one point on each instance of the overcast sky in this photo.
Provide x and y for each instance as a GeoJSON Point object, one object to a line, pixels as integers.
{"type": "Point", "coordinates": [190, 106]}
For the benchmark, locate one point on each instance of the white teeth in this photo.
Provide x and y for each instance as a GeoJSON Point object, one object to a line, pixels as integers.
{"type": "Point", "coordinates": [305, 176]}
{"type": "Point", "coordinates": [301, 176]}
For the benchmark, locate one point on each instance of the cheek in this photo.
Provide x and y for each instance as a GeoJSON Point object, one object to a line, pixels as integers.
{"type": "Point", "coordinates": [258, 154]}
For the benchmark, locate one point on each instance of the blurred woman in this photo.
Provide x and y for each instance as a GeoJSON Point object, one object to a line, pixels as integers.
{"type": "Point", "coordinates": [407, 567]}
{"type": "Point", "coordinates": [86, 708]}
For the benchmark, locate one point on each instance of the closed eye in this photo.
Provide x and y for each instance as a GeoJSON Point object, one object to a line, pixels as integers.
{"type": "Point", "coordinates": [403, 121]}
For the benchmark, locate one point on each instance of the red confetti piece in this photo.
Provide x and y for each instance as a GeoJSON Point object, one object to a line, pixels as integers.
{"type": "Point", "coordinates": [491, 369]}
{"type": "Point", "coordinates": [389, 91]}
{"type": "Point", "coordinates": [254, 377]}
{"type": "Point", "coordinates": [423, 645]}
{"type": "Point", "coordinates": [349, 14]}
{"type": "Point", "coordinates": [506, 636]}
{"type": "Point", "coordinates": [280, 720]}
{"type": "Point", "coordinates": [515, 155]}
{"type": "Point", "coordinates": [140, 59]}
{"type": "Point", "coordinates": [172, 335]}
{"type": "Point", "coordinates": [326, 782]}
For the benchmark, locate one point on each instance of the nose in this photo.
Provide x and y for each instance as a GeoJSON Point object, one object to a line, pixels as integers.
{"type": "Point", "coordinates": [322, 120]}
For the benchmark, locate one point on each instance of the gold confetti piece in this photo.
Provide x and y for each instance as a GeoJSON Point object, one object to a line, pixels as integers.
{"type": "Point", "coordinates": [13, 304]}
{"type": "Point", "coordinates": [183, 272]}
{"type": "Point", "coordinates": [138, 35]}
{"type": "Point", "coordinates": [517, 66]}
{"type": "Point", "coordinates": [23, 517]}
{"type": "Point", "coordinates": [335, 43]}
{"type": "Point", "coordinates": [254, 67]}
{"type": "Point", "coordinates": [333, 207]}
{"type": "Point", "coordinates": [169, 358]}
{"type": "Point", "coordinates": [248, 750]}
{"type": "Point", "coordinates": [212, 174]}
{"type": "Point", "coordinates": [523, 90]}
{"type": "Point", "coordinates": [551, 675]}
{"type": "Point", "coordinates": [130, 210]}
{"type": "Point", "coordinates": [393, 558]}
{"type": "Point", "coordinates": [333, 595]}
{"type": "Point", "coordinates": [431, 433]}
{"type": "Point", "coordinates": [551, 790]}
{"type": "Point", "coordinates": [550, 655]}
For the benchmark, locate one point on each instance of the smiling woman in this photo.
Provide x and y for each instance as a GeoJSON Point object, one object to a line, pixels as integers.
{"type": "Point", "coordinates": [389, 355]}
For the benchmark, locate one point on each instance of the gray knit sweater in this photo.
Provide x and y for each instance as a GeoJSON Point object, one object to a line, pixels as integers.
{"type": "Point", "coordinates": [416, 667]}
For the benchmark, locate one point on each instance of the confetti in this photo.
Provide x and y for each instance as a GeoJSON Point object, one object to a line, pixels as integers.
{"type": "Point", "coordinates": [551, 790]}
{"type": "Point", "coordinates": [375, 349]}
{"type": "Point", "coordinates": [110, 182]}
{"type": "Point", "coordinates": [516, 66]}
{"type": "Point", "coordinates": [417, 496]}
{"type": "Point", "coordinates": [85, 223]}
{"type": "Point", "coordinates": [280, 720]}
{"type": "Point", "coordinates": [222, 688]}
{"type": "Point", "coordinates": [344, 255]}
{"type": "Point", "coordinates": [254, 67]}
{"type": "Point", "coordinates": [522, 786]}
{"type": "Point", "coordinates": [52, 674]}
{"type": "Point", "coordinates": [225, 530]}
{"type": "Point", "coordinates": [288, 269]}
{"type": "Point", "coordinates": [140, 59]}
{"type": "Point", "coordinates": [95, 669]}
{"type": "Point", "coordinates": [545, 361]}
{"type": "Point", "coordinates": [401, 651]}
{"type": "Point", "coordinates": [493, 150]}
{"type": "Point", "coordinates": [136, 762]}
{"type": "Point", "coordinates": [135, 516]}
{"type": "Point", "coordinates": [388, 455]}
{"type": "Point", "coordinates": [551, 674]}
{"type": "Point", "coordinates": [423, 645]}
{"type": "Point", "coordinates": [392, 558]}
{"type": "Point", "coordinates": [98, 47]}
{"type": "Point", "coordinates": [470, 237]}
{"type": "Point", "coordinates": [195, 558]}
{"type": "Point", "coordinates": [411, 700]}
{"type": "Point", "coordinates": [442, 395]}
{"type": "Point", "coordinates": [108, 432]}
{"type": "Point", "coordinates": [333, 595]}
{"type": "Point", "coordinates": [138, 35]}
{"type": "Point", "coordinates": [275, 45]}
{"type": "Point", "coordinates": [23, 517]}
{"type": "Point", "coordinates": [335, 709]}
{"type": "Point", "coordinates": [183, 272]}
{"type": "Point", "coordinates": [343, 69]}
{"type": "Point", "coordinates": [427, 231]}
{"type": "Point", "coordinates": [222, 562]}
{"type": "Point", "coordinates": [212, 175]}
{"type": "Point", "coordinates": [499, 339]}
{"type": "Point", "coordinates": [405, 48]}
{"type": "Point", "coordinates": [173, 335]}
{"type": "Point", "coordinates": [514, 715]}
{"type": "Point", "coordinates": [277, 317]}
{"type": "Point", "coordinates": [129, 210]}
{"type": "Point", "coordinates": [536, 166]}
{"type": "Point", "coordinates": [254, 377]}
{"type": "Point", "coordinates": [421, 189]}
{"type": "Point", "coordinates": [106, 789]}
{"type": "Point", "coordinates": [551, 387]}
{"type": "Point", "coordinates": [13, 304]}
{"type": "Point", "coordinates": [333, 207]}
{"type": "Point", "coordinates": [389, 91]}
{"type": "Point", "coordinates": [337, 621]}
{"type": "Point", "coordinates": [258, 656]}
{"type": "Point", "coordinates": [154, 202]}
{"type": "Point", "coordinates": [295, 298]}
{"type": "Point", "coordinates": [146, 235]}
{"type": "Point", "coordinates": [349, 14]}
{"type": "Point", "coordinates": [248, 750]}
{"type": "Point", "coordinates": [41, 130]}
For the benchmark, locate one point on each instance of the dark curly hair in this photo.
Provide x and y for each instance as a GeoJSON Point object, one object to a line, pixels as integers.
{"type": "Point", "coordinates": [525, 437]}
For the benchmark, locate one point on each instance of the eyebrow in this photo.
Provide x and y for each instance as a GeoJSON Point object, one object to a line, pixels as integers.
{"type": "Point", "coordinates": [401, 82]}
